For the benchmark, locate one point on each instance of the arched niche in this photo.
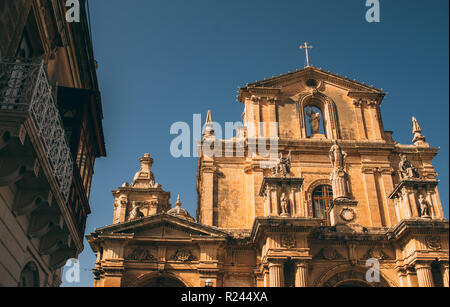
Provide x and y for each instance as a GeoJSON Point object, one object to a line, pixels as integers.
{"type": "Point", "coordinates": [329, 118]}
{"type": "Point", "coordinates": [29, 277]}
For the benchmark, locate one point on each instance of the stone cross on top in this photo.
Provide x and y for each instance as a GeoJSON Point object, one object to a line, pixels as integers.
{"type": "Point", "coordinates": [306, 47]}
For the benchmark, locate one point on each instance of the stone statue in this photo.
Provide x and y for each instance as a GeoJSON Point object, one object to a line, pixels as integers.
{"type": "Point", "coordinates": [283, 165]}
{"type": "Point", "coordinates": [136, 212]}
{"type": "Point", "coordinates": [314, 120]}
{"type": "Point", "coordinates": [120, 203]}
{"type": "Point", "coordinates": [284, 205]}
{"type": "Point", "coordinates": [407, 170]}
{"type": "Point", "coordinates": [424, 207]}
{"type": "Point", "coordinates": [337, 156]}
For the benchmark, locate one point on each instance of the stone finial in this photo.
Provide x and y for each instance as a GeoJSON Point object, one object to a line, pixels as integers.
{"type": "Point", "coordinates": [144, 177]}
{"type": "Point", "coordinates": [209, 131]}
{"type": "Point", "coordinates": [178, 203]}
{"type": "Point", "coordinates": [178, 211]}
{"type": "Point", "coordinates": [419, 139]}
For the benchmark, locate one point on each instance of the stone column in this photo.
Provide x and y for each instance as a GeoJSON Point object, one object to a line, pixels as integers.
{"type": "Point", "coordinates": [301, 274]}
{"type": "Point", "coordinates": [411, 200]}
{"type": "Point", "coordinates": [362, 133]}
{"type": "Point", "coordinates": [266, 278]}
{"type": "Point", "coordinates": [401, 277]}
{"type": "Point", "coordinates": [339, 180]}
{"type": "Point", "coordinates": [273, 132]}
{"type": "Point", "coordinates": [370, 187]}
{"type": "Point", "coordinates": [375, 120]}
{"type": "Point", "coordinates": [302, 121]}
{"type": "Point", "coordinates": [424, 274]}
{"type": "Point", "coordinates": [274, 202]}
{"type": "Point", "coordinates": [276, 274]}
{"type": "Point", "coordinates": [256, 115]}
{"type": "Point", "coordinates": [445, 274]}
{"type": "Point", "coordinates": [207, 201]}
{"type": "Point", "coordinates": [386, 186]}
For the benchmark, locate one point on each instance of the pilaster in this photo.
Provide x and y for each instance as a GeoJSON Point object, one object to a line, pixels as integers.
{"type": "Point", "coordinates": [424, 274]}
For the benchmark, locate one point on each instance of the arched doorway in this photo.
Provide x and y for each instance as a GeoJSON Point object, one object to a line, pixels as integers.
{"type": "Point", "coordinates": [345, 276]}
{"type": "Point", "coordinates": [352, 284]}
{"type": "Point", "coordinates": [164, 282]}
{"type": "Point", "coordinates": [159, 280]}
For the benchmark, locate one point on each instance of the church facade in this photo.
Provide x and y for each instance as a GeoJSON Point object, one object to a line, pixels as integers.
{"type": "Point", "coordinates": [342, 203]}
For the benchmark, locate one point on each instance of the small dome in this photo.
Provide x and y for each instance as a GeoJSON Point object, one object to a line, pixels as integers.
{"type": "Point", "coordinates": [178, 211]}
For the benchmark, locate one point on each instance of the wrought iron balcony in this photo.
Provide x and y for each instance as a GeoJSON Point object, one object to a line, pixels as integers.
{"type": "Point", "coordinates": [24, 87]}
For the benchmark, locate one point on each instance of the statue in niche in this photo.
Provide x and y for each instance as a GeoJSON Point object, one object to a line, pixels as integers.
{"type": "Point", "coordinates": [284, 203]}
{"type": "Point", "coordinates": [283, 165]}
{"type": "Point", "coordinates": [424, 207]}
{"type": "Point", "coordinates": [337, 156]}
{"type": "Point", "coordinates": [136, 211]}
{"type": "Point", "coordinates": [314, 120]}
{"type": "Point", "coordinates": [407, 170]}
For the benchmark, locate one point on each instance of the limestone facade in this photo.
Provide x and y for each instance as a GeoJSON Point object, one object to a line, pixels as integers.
{"type": "Point", "coordinates": [340, 194]}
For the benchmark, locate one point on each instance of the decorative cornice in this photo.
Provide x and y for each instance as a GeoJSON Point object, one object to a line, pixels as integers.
{"type": "Point", "coordinates": [279, 181]}
{"type": "Point", "coordinates": [412, 183]}
{"type": "Point", "coordinates": [419, 226]}
{"type": "Point", "coordinates": [366, 97]}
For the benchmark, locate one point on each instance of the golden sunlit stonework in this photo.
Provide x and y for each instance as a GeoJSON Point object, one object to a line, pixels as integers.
{"type": "Point", "coordinates": [341, 192]}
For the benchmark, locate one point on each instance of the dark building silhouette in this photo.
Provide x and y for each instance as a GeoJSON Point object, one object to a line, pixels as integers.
{"type": "Point", "coordinates": [50, 135]}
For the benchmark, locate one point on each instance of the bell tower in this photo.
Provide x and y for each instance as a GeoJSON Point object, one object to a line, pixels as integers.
{"type": "Point", "coordinates": [143, 197]}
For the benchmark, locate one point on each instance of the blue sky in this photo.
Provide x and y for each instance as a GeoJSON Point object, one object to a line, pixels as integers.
{"type": "Point", "coordinates": [161, 61]}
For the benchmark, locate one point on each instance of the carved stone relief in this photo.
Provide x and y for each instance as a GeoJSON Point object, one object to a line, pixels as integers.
{"type": "Point", "coordinates": [183, 255]}
{"type": "Point", "coordinates": [329, 253]}
{"type": "Point", "coordinates": [287, 241]}
{"type": "Point", "coordinates": [433, 243]}
{"type": "Point", "coordinates": [376, 253]}
{"type": "Point", "coordinates": [140, 254]}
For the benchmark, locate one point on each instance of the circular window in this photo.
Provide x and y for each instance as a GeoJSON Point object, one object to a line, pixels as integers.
{"type": "Point", "coordinates": [312, 83]}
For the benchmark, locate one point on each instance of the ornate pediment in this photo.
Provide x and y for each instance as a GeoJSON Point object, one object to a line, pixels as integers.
{"type": "Point", "coordinates": [163, 226]}
{"type": "Point", "coordinates": [304, 76]}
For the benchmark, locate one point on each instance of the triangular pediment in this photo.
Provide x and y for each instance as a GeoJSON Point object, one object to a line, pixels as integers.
{"type": "Point", "coordinates": [162, 226]}
{"type": "Point", "coordinates": [291, 78]}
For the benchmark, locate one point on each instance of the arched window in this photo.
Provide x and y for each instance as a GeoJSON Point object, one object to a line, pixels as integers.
{"type": "Point", "coordinates": [321, 198]}
{"type": "Point", "coordinates": [29, 276]}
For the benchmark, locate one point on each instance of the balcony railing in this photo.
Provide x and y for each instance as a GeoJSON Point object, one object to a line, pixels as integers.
{"type": "Point", "coordinates": [24, 86]}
